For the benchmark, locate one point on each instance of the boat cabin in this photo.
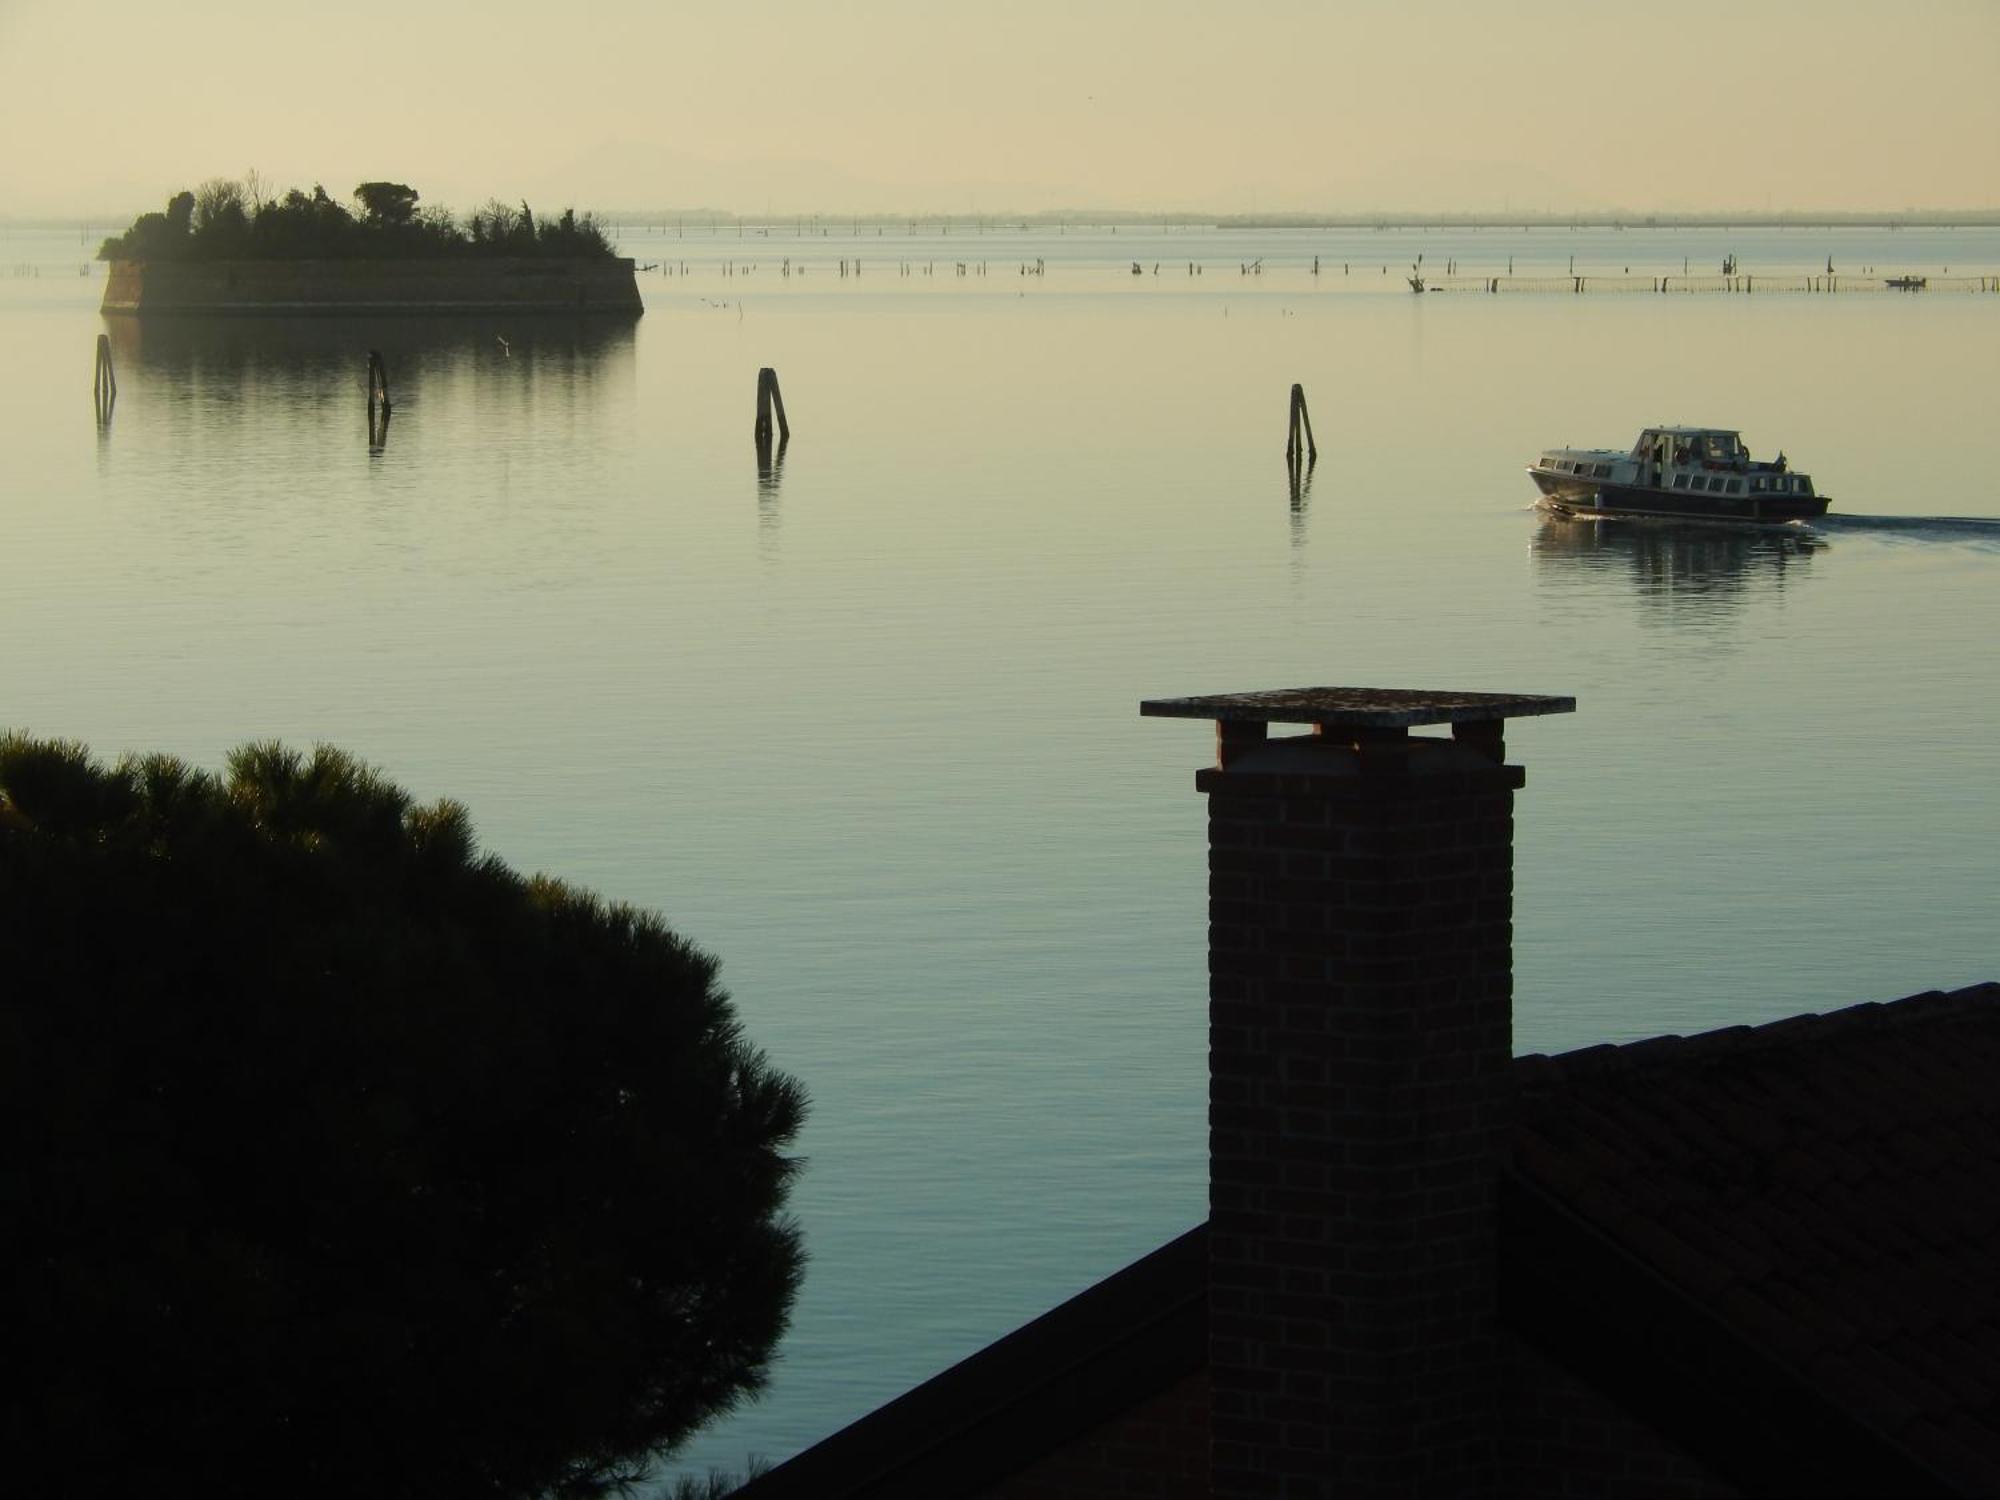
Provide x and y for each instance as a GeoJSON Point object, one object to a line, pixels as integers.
{"type": "Point", "coordinates": [1676, 471]}
{"type": "Point", "coordinates": [1701, 445]}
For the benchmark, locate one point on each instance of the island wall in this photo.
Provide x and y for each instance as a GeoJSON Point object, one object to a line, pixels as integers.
{"type": "Point", "coordinates": [484, 284]}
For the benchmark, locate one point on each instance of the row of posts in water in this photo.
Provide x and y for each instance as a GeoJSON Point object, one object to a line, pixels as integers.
{"type": "Point", "coordinates": [1301, 450]}
{"type": "Point", "coordinates": [1729, 279]}
{"type": "Point", "coordinates": [1663, 284]}
{"type": "Point", "coordinates": [786, 269]}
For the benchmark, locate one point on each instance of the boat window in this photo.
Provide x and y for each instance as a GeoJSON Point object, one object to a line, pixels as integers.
{"type": "Point", "coordinates": [1601, 471]}
{"type": "Point", "coordinates": [1757, 486]}
{"type": "Point", "coordinates": [1735, 486]}
{"type": "Point", "coordinates": [1680, 481]}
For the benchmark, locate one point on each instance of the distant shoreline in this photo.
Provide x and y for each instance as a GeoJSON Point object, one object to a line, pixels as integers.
{"type": "Point", "coordinates": [1985, 218]}
{"type": "Point", "coordinates": [1967, 218]}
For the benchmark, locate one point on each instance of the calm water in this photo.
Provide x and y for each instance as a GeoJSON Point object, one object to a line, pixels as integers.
{"type": "Point", "coordinates": [867, 726]}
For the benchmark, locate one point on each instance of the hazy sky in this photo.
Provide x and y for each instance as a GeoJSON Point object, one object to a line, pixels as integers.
{"type": "Point", "coordinates": [809, 105]}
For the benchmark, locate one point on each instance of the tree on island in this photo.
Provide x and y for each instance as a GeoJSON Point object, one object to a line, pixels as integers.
{"type": "Point", "coordinates": [342, 1160]}
{"type": "Point", "coordinates": [386, 203]}
{"type": "Point", "coordinates": [229, 220]}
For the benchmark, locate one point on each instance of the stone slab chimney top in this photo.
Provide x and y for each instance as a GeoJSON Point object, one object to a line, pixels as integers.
{"type": "Point", "coordinates": [1357, 715]}
{"type": "Point", "coordinates": [1374, 707]}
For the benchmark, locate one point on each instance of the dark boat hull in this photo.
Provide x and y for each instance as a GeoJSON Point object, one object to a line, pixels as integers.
{"type": "Point", "coordinates": [1586, 497]}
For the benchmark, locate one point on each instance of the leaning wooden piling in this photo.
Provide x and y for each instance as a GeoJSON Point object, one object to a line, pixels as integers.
{"type": "Point", "coordinates": [769, 399]}
{"type": "Point", "coordinates": [378, 381]}
{"type": "Point", "coordinates": [104, 382]}
{"type": "Point", "coordinates": [1300, 420]}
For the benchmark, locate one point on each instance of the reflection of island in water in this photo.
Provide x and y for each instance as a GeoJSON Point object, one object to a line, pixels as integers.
{"type": "Point", "coordinates": [1692, 572]}
{"type": "Point", "coordinates": [506, 364]}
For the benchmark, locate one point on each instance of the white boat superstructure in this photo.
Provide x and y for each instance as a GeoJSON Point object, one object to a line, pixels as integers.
{"type": "Point", "coordinates": [1688, 473]}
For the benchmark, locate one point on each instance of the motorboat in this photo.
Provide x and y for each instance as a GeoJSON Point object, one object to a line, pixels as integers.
{"type": "Point", "coordinates": [1682, 473]}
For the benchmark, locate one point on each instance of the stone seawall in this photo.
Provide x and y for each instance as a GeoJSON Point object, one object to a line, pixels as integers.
{"type": "Point", "coordinates": [429, 287]}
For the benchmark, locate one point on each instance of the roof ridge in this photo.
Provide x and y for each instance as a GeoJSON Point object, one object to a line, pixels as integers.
{"type": "Point", "coordinates": [1925, 1008]}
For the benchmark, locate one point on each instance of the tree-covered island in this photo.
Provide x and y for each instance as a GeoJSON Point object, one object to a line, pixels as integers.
{"type": "Point", "coordinates": [226, 219]}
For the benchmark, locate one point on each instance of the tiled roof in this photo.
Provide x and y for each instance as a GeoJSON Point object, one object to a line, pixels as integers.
{"type": "Point", "coordinates": [1827, 1188]}
{"type": "Point", "coordinates": [1778, 1246]}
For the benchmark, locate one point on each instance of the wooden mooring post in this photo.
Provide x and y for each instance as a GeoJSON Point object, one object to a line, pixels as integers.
{"type": "Point", "coordinates": [769, 399]}
{"type": "Point", "coordinates": [104, 382]}
{"type": "Point", "coordinates": [378, 381]}
{"type": "Point", "coordinates": [1300, 420]}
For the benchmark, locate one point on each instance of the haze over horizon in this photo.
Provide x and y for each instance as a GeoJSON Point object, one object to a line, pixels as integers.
{"type": "Point", "coordinates": [1276, 107]}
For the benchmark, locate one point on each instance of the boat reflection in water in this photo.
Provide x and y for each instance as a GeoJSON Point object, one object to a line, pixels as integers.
{"type": "Point", "coordinates": [1688, 575]}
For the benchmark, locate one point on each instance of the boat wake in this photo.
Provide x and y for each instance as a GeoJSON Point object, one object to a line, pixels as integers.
{"type": "Point", "coordinates": [1978, 531]}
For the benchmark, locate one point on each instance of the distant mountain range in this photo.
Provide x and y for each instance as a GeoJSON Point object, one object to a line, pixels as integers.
{"type": "Point", "coordinates": [632, 181]}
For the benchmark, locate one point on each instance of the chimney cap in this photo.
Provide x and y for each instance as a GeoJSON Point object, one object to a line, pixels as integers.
{"type": "Point", "coordinates": [1362, 708]}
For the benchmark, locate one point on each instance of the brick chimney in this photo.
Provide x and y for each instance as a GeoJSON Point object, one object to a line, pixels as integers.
{"type": "Point", "coordinates": [1360, 1030]}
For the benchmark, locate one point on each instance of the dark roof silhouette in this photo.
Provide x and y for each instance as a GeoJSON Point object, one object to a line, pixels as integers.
{"type": "Point", "coordinates": [1779, 1244]}
{"type": "Point", "coordinates": [1826, 1187]}
{"type": "Point", "coordinates": [1050, 1380]}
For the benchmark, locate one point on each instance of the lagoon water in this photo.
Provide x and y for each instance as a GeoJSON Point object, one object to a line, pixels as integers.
{"type": "Point", "coordinates": [865, 723]}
